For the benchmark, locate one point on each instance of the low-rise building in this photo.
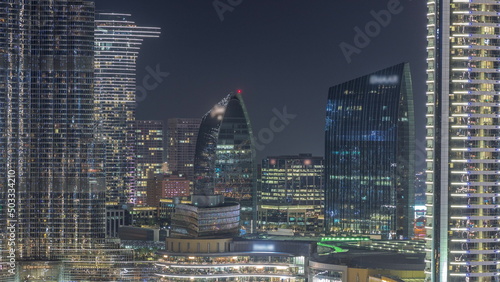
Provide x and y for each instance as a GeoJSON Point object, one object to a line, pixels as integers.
{"type": "Point", "coordinates": [227, 259]}
{"type": "Point", "coordinates": [352, 259]}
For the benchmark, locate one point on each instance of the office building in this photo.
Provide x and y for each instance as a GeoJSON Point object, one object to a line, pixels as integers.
{"type": "Point", "coordinates": [224, 159]}
{"type": "Point", "coordinates": [370, 149]}
{"type": "Point", "coordinates": [165, 186]}
{"type": "Point", "coordinates": [115, 218]}
{"type": "Point", "coordinates": [291, 193]}
{"type": "Point", "coordinates": [139, 216]}
{"type": "Point", "coordinates": [463, 87]}
{"type": "Point", "coordinates": [149, 155]}
{"type": "Point", "coordinates": [117, 43]}
{"type": "Point", "coordinates": [174, 186]}
{"type": "Point", "coordinates": [181, 145]}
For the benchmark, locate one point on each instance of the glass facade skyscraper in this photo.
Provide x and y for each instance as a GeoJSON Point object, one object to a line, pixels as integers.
{"type": "Point", "coordinates": [291, 193]}
{"type": "Point", "coordinates": [224, 159]}
{"type": "Point", "coordinates": [370, 155]}
{"type": "Point", "coordinates": [117, 44]}
{"type": "Point", "coordinates": [50, 155]}
{"type": "Point", "coordinates": [463, 87]}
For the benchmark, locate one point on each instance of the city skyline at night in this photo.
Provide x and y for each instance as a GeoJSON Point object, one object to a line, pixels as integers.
{"type": "Point", "coordinates": [178, 141]}
{"type": "Point", "coordinates": [288, 56]}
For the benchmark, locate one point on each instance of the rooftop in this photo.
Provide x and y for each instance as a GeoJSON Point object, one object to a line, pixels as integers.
{"type": "Point", "coordinates": [360, 258]}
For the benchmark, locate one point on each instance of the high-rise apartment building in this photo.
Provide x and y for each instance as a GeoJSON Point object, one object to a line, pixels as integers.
{"type": "Point", "coordinates": [117, 43]}
{"type": "Point", "coordinates": [370, 149]}
{"type": "Point", "coordinates": [291, 193]}
{"type": "Point", "coordinates": [181, 145]}
{"type": "Point", "coordinates": [224, 159]}
{"type": "Point", "coordinates": [463, 87]}
{"type": "Point", "coordinates": [149, 155]}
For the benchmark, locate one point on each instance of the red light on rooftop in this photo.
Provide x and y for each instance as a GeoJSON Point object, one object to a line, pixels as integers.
{"type": "Point", "coordinates": [239, 91]}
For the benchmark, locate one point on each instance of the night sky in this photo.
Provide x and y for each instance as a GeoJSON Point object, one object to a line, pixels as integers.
{"type": "Point", "coordinates": [280, 53]}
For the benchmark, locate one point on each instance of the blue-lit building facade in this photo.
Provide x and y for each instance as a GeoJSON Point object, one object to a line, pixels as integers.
{"type": "Point", "coordinates": [369, 144]}
{"type": "Point", "coordinates": [224, 158]}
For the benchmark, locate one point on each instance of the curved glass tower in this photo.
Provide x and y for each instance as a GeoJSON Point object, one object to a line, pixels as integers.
{"type": "Point", "coordinates": [224, 160]}
{"type": "Point", "coordinates": [463, 148]}
{"type": "Point", "coordinates": [369, 155]}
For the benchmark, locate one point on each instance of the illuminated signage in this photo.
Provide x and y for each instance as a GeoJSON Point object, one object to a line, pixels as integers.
{"type": "Point", "coordinates": [263, 247]}
{"type": "Point", "coordinates": [384, 79]}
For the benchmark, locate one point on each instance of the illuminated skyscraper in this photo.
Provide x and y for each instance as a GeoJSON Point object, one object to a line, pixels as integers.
{"type": "Point", "coordinates": [51, 154]}
{"type": "Point", "coordinates": [370, 149]}
{"type": "Point", "coordinates": [148, 154]}
{"type": "Point", "coordinates": [181, 145]}
{"type": "Point", "coordinates": [224, 159]}
{"type": "Point", "coordinates": [463, 88]}
{"type": "Point", "coordinates": [117, 44]}
{"type": "Point", "coordinates": [48, 138]}
{"type": "Point", "coordinates": [292, 193]}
